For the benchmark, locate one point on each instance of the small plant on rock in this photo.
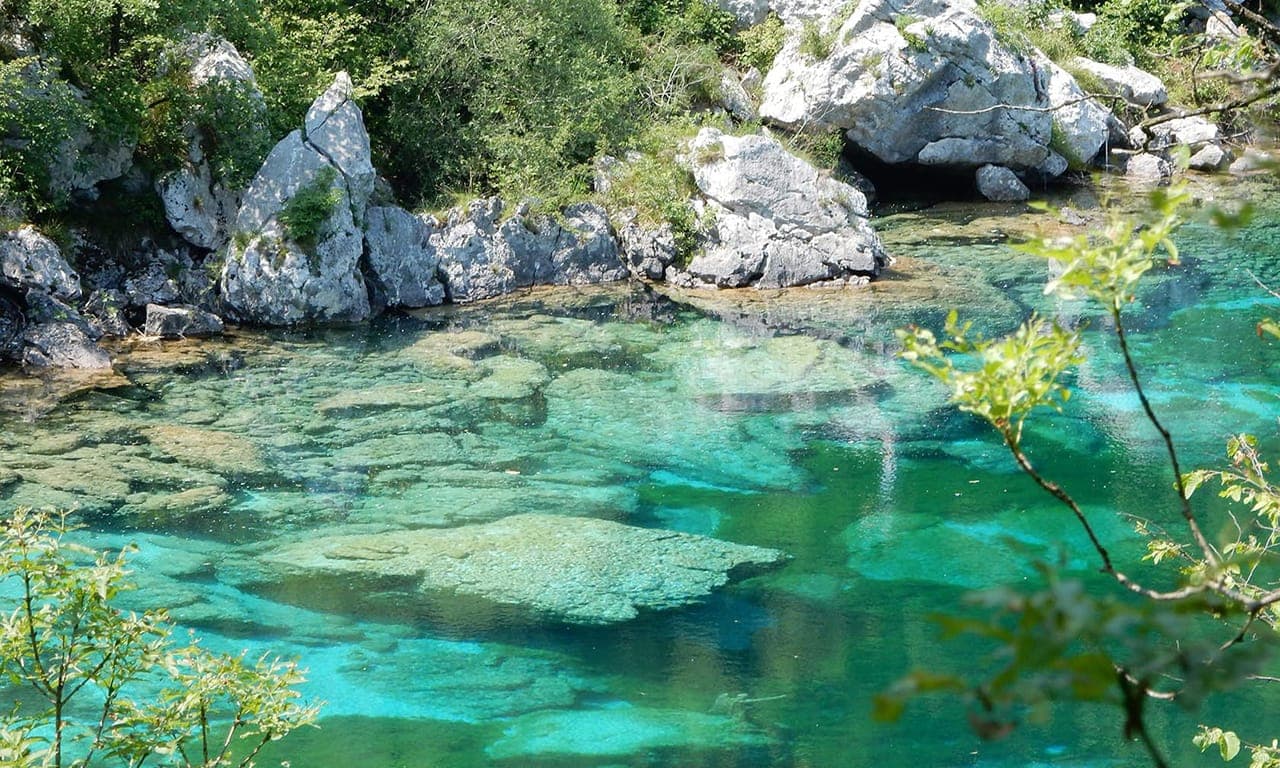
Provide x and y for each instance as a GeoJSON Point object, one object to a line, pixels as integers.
{"type": "Point", "coordinates": [305, 214]}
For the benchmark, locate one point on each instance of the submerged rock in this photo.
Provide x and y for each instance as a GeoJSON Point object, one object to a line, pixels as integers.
{"type": "Point", "coordinates": [619, 732]}
{"type": "Point", "coordinates": [571, 569]}
{"type": "Point", "coordinates": [209, 449]}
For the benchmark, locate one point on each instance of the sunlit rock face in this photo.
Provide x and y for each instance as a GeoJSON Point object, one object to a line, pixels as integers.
{"type": "Point", "coordinates": [483, 253]}
{"type": "Point", "coordinates": [777, 221]}
{"type": "Point", "coordinates": [571, 569]}
{"type": "Point", "coordinates": [929, 82]}
{"type": "Point", "coordinates": [269, 277]}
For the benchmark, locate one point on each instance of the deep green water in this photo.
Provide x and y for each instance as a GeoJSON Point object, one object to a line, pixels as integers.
{"type": "Point", "coordinates": [780, 423]}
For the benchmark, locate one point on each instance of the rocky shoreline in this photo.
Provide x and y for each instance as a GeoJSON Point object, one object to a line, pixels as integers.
{"type": "Point", "coordinates": [925, 86]}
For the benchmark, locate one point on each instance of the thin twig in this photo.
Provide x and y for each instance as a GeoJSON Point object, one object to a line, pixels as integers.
{"type": "Point", "coordinates": [1210, 554]}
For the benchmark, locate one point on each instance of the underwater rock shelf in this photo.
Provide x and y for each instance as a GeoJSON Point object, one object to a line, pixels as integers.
{"type": "Point", "coordinates": [572, 569]}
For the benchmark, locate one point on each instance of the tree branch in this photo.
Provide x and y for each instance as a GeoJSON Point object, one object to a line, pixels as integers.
{"type": "Point", "coordinates": [1210, 553]}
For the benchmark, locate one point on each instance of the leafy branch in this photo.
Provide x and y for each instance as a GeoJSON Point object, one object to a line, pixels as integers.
{"type": "Point", "coordinates": [1141, 644]}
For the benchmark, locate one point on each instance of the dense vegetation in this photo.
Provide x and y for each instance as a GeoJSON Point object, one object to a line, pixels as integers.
{"type": "Point", "coordinates": [463, 95]}
{"type": "Point", "coordinates": [514, 97]}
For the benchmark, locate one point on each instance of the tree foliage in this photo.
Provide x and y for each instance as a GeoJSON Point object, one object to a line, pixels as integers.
{"type": "Point", "coordinates": [1142, 641]}
{"type": "Point", "coordinates": [109, 686]}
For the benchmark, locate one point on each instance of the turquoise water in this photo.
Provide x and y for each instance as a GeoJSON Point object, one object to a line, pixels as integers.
{"type": "Point", "coordinates": [780, 421]}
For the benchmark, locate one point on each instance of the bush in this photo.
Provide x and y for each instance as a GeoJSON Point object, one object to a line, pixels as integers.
{"type": "Point", "coordinates": [761, 43]}
{"type": "Point", "coordinates": [675, 79]}
{"type": "Point", "coordinates": [306, 213]}
{"type": "Point", "coordinates": [658, 187]}
{"type": "Point", "coordinates": [816, 42]}
{"type": "Point", "coordinates": [1024, 27]}
{"type": "Point", "coordinates": [39, 116]}
{"type": "Point", "coordinates": [111, 688]}
{"type": "Point", "coordinates": [509, 97]}
{"type": "Point", "coordinates": [1132, 31]}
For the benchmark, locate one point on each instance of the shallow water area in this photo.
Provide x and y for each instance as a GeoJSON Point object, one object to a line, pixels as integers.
{"type": "Point", "coordinates": [778, 420]}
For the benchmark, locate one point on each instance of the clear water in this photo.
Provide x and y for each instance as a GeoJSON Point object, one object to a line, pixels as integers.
{"type": "Point", "coordinates": [781, 421]}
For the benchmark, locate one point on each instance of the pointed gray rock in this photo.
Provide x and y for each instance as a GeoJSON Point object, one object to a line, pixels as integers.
{"type": "Point", "coordinates": [334, 127]}
{"type": "Point", "coordinates": [268, 277]}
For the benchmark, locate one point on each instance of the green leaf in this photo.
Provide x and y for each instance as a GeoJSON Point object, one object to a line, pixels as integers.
{"type": "Point", "coordinates": [1229, 745]}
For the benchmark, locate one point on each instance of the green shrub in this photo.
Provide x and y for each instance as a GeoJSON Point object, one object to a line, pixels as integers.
{"type": "Point", "coordinates": [816, 42]}
{"type": "Point", "coordinates": [39, 115]}
{"type": "Point", "coordinates": [1022, 28]}
{"type": "Point", "coordinates": [514, 97]}
{"type": "Point", "coordinates": [822, 149]}
{"type": "Point", "coordinates": [306, 213]}
{"type": "Point", "coordinates": [1133, 31]}
{"type": "Point", "coordinates": [914, 42]}
{"type": "Point", "coordinates": [108, 687]}
{"type": "Point", "coordinates": [676, 79]}
{"type": "Point", "coordinates": [686, 21]}
{"type": "Point", "coordinates": [761, 43]}
{"type": "Point", "coordinates": [658, 187]}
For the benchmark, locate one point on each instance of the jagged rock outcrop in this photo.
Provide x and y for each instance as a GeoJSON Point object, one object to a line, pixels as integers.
{"type": "Point", "coordinates": [929, 82]}
{"type": "Point", "coordinates": [647, 251]}
{"type": "Point", "coordinates": [85, 154]}
{"type": "Point", "coordinates": [275, 274]}
{"type": "Point", "coordinates": [198, 206]}
{"type": "Point", "coordinates": [482, 256]}
{"type": "Point", "coordinates": [38, 327]}
{"type": "Point", "coordinates": [334, 127]}
{"type": "Point", "coordinates": [752, 12]}
{"type": "Point", "coordinates": [402, 263]}
{"type": "Point", "coordinates": [568, 569]}
{"type": "Point", "coordinates": [62, 345]}
{"type": "Point", "coordinates": [778, 222]}
{"type": "Point", "coordinates": [28, 260]}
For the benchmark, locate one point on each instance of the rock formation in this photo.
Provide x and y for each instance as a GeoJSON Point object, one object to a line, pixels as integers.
{"type": "Point", "coordinates": [38, 327]}
{"type": "Point", "coordinates": [569, 569]}
{"type": "Point", "coordinates": [929, 82]}
{"type": "Point", "coordinates": [198, 206]}
{"type": "Point", "coordinates": [275, 274]}
{"type": "Point", "coordinates": [777, 221]}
